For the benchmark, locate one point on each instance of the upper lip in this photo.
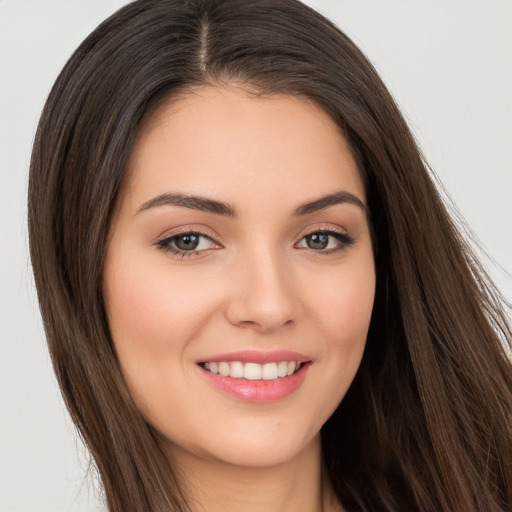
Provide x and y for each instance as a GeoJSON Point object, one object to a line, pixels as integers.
{"type": "Point", "coordinates": [257, 356]}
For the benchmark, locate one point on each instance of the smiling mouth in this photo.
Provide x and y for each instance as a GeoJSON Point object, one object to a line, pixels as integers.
{"type": "Point", "coordinates": [253, 371]}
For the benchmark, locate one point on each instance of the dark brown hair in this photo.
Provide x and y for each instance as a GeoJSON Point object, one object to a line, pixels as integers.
{"type": "Point", "coordinates": [426, 424]}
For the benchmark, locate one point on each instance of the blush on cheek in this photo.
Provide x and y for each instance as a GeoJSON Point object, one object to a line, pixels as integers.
{"type": "Point", "coordinates": [349, 306]}
{"type": "Point", "coordinates": [148, 310]}
{"type": "Point", "coordinates": [136, 310]}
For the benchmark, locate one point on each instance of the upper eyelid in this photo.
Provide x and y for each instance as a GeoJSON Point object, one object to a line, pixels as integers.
{"type": "Point", "coordinates": [202, 231]}
{"type": "Point", "coordinates": [167, 244]}
{"type": "Point", "coordinates": [206, 232]}
{"type": "Point", "coordinates": [341, 235]}
{"type": "Point", "coordinates": [322, 228]}
{"type": "Point", "coordinates": [166, 240]}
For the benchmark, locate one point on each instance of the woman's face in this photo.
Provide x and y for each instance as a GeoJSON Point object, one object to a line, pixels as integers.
{"type": "Point", "coordinates": [240, 248]}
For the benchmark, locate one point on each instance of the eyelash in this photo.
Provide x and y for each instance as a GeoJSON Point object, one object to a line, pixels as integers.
{"type": "Point", "coordinates": [343, 238]}
{"type": "Point", "coordinates": [165, 243]}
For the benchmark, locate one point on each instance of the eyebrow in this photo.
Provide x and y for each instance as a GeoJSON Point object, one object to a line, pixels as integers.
{"type": "Point", "coordinates": [194, 202]}
{"type": "Point", "coordinates": [220, 208]}
{"type": "Point", "coordinates": [321, 203]}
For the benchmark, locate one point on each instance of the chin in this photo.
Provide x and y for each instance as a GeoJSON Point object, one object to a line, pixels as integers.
{"type": "Point", "coordinates": [249, 445]}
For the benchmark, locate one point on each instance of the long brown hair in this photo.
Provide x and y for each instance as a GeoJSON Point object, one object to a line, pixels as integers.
{"type": "Point", "coordinates": [426, 424]}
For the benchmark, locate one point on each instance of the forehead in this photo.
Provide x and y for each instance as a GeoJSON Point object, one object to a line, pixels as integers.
{"type": "Point", "coordinates": [224, 141]}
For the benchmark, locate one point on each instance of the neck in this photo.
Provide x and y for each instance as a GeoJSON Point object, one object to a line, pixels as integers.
{"type": "Point", "coordinates": [297, 484]}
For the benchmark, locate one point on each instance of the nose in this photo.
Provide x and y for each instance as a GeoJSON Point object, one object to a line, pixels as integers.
{"type": "Point", "coordinates": [263, 296]}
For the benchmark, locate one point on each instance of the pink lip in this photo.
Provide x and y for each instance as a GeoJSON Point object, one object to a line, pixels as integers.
{"type": "Point", "coordinates": [258, 390]}
{"type": "Point", "coordinates": [256, 356]}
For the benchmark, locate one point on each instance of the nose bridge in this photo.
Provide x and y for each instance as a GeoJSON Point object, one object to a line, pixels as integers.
{"type": "Point", "coordinates": [263, 292]}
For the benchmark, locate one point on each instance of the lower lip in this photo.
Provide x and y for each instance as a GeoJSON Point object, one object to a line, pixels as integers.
{"type": "Point", "coordinates": [258, 390]}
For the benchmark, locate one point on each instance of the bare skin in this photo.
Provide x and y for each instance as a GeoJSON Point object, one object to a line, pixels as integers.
{"type": "Point", "coordinates": [280, 262]}
{"type": "Point", "coordinates": [275, 488]}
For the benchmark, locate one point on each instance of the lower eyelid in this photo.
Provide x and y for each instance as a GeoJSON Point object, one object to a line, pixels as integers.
{"type": "Point", "coordinates": [343, 242]}
{"type": "Point", "coordinates": [168, 244]}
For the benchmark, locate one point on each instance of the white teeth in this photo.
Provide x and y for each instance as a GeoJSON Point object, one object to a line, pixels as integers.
{"type": "Point", "coordinates": [269, 371]}
{"type": "Point", "coordinates": [224, 369]}
{"type": "Point", "coordinates": [237, 370]}
{"type": "Point", "coordinates": [281, 369]}
{"type": "Point", "coordinates": [253, 371]}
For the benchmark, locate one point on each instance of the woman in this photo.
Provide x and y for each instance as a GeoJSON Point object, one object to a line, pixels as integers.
{"type": "Point", "coordinates": [253, 295]}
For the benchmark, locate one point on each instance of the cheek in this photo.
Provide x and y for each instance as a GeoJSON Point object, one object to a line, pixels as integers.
{"type": "Point", "coordinates": [150, 308]}
{"type": "Point", "coordinates": [154, 316]}
{"type": "Point", "coordinates": [343, 308]}
{"type": "Point", "coordinates": [344, 304]}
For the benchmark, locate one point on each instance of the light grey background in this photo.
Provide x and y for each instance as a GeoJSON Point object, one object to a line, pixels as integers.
{"type": "Point", "coordinates": [448, 63]}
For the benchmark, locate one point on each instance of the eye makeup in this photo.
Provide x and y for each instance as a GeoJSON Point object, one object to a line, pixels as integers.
{"type": "Point", "coordinates": [325, 241]}
{"type": "Point", "coordinates": [187, 243]}
{"type": "Point", "coordinates": [191, 242]}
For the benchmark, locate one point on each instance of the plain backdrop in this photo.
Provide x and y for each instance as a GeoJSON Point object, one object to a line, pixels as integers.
{"type": "Point", "coordinates": [448, 64]}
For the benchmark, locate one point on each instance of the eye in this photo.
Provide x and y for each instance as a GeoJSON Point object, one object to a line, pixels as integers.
{"type": "Point", "coordinates": [187, 244]}
{"type": "Point", "coordinates": [325, 241]}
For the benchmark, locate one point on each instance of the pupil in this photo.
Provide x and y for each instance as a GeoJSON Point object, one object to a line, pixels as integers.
{"type": "Point", "coordinates": [187, 242]}
{"type": "Point", "coordinates": [317, 241]}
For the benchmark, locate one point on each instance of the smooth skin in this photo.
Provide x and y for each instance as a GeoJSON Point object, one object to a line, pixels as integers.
{"type": "Point", "coordinates": [259, 272]}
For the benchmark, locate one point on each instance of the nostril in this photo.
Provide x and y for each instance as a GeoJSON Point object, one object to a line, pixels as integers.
{"type": "Point", "coordinates": [265, 325]}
